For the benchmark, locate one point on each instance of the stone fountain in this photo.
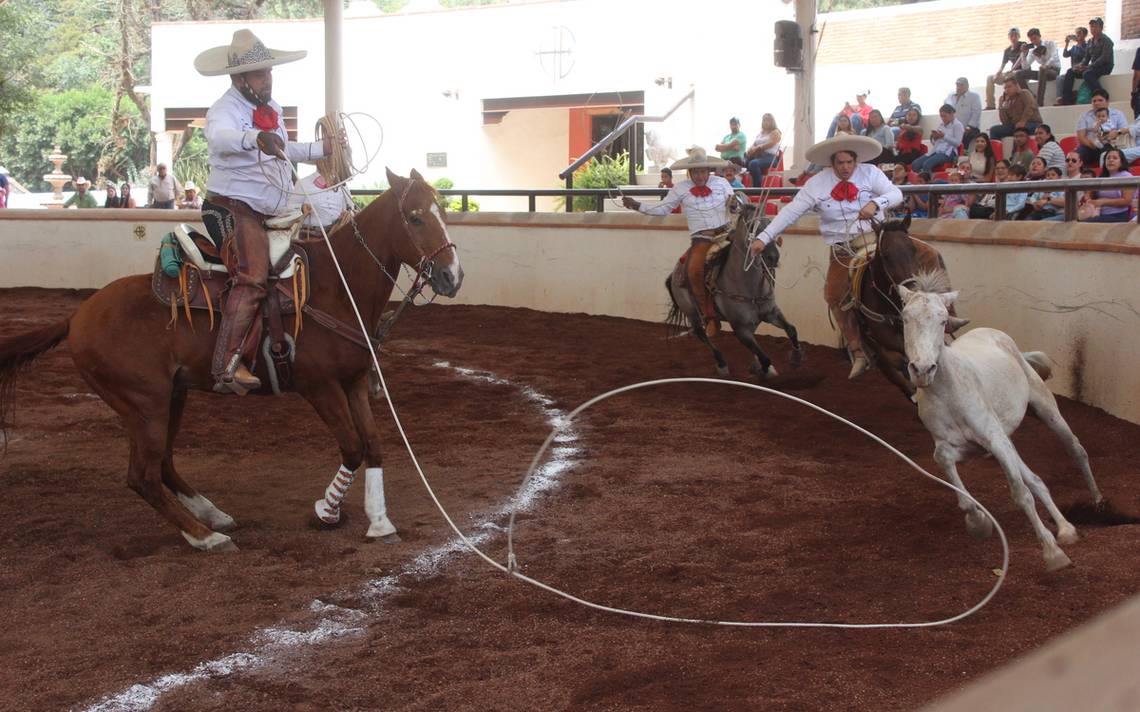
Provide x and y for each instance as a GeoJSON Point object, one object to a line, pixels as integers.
{"type": "Point", "coordinates": [57, 178]}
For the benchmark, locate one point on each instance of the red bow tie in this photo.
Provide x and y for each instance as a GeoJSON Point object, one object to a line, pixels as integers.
{"type": "Point", "coordinates": [845, 191]}
{"type": "Point", "coordinates": [265, 118]}
{"type": "Point", "coordinates": [701, 191]}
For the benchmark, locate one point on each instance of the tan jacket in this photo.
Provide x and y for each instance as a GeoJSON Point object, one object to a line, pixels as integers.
{"type": "Point", "coordinates": [1019, 109]}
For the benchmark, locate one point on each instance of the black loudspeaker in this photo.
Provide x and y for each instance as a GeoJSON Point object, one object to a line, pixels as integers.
{"type": "Point", "coordinates": [789, 46]}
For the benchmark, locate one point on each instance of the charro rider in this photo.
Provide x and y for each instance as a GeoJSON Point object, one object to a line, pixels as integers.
{"type": "Point", "coordinates": [247, 184]}
{"type": "Point", "coordinates": [846, 196]}
{"type": "Point", "coordinates": [704, 200]}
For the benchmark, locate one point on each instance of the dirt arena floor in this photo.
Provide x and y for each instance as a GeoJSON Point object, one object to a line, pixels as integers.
{"type": "Point", "coordinates": [695, 500]}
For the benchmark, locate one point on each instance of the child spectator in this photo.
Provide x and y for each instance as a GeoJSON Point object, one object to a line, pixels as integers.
{"type": "Point", "coordinates": [985, 205]}
{"type": "Point", "coordinates": [909, 145]}
{"type": "Point", "coordinates": [953, 205]}
{"type": "Point", "coordinates": [1045, 204]}
{"type": "Point", "coordinates": [1021, 155]}
{"type": "Point", "coordinates": [945, 139]}
{"type": "Point", "coordinates": [918, 203]}
{"type": "Point", "coordinates": [1014, 202]}
{"type": "Point", "coordinates": [732, 175]}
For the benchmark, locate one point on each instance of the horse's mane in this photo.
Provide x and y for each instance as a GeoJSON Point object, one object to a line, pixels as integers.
{"type": "Point", "coordinates": [896, 225]}
{"type": "Point", "coordinates": [931, 281]}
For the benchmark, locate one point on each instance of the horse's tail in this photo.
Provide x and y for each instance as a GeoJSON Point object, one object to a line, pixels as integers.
{"type": "Point", "coordinates": [17, 352]}
{"type": "Point", "coordinates": [676, 318]}
{"type": "Point", "coordinates": [1040, 363]}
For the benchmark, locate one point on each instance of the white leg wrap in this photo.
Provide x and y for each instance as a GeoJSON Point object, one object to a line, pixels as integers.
{"type": "Point", "coordinates": [374, 505]}
{"type": "Point", "coordinates": [328, 508]}
{"type": "Point", "coordinates": [207, 512]}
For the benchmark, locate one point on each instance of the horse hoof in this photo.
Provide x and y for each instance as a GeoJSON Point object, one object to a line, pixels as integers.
{"type": "Point", "coordinates": [979, 525]}
{"type": "Point", "coordinates": [325, 513]}
{"type": "Point", "coordinates": [1056, 561]}
{"type": "Point", "coordinates": [224, 523]}
{"type": "Point", "coordinates": [392, 538]}
{"type": "Point", "coordinates": [722, 371]}
{"type": "Point", "coordinates": [761, 373]}
{"type": "Point", "coordinates": [1067, 535]}
{"type": "Point", "coordinates": [214, 543]}
{"type": "Point", "coordinates": [381, 528]}
{"type": "Point", "coordinates": [796, 358]}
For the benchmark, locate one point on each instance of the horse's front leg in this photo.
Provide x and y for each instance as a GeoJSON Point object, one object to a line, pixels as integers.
{"type": "Point", "coordinates": [977, 523]}
{"type": "Point", "coordinates": [775, 317]}
{"type": "Point", "coordinates": [762, 365]}
{"type": "Point", "coordinates": [375, 506]}
{"type": "Point", "coordinates": [331, 404]}
{"type": "Point", "coordinates": [892, 364]}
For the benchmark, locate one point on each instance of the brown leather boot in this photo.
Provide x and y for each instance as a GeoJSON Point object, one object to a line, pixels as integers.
{"type": "Point", "coordinates": [230, 372]}
{"type": "Point", "coordinates": [237, 379]}
{"type": "Point", "coordinates": [712, 326]}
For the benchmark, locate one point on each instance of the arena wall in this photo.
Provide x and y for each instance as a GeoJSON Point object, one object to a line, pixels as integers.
{"type": "Point", "coordinates": [1067, 289]}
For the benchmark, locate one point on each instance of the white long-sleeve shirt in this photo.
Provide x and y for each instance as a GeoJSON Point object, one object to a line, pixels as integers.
{"type": "Point", "coordinates": [328, 205]}
{"type": "Point", "coordinates": [703, 213]}
{"type": "Point", "coordinates": [838, 220]}
{"type": "Point", "coordinates": [967, 107]}
{"type": "Point", "coordinates": [237, 169]}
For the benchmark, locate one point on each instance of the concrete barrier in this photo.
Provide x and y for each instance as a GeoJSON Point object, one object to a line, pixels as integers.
{"type": "Point", "coordinates": [1067, 289]}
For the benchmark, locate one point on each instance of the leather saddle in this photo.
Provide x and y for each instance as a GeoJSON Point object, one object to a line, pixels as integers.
{"type": "Point", "coordinates": [715, 260]}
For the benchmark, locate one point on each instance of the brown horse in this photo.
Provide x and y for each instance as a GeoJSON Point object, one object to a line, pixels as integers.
{"type": "Point", "coordinates": [898, 258]}
{"type": "Point", "coordinates": [122, 346]}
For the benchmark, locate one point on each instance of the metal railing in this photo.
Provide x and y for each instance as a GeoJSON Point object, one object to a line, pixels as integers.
{"type": "Point", "coordinates": [630, 126]}
{"type": "Point", "coordinates": [1069, 186]}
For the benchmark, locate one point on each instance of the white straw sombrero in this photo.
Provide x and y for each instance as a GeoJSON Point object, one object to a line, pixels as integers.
{"type": "Point", "coordinates": [697, 158]}
{"type": "Point", "coordinates": [864, 147]}
{"type": "Point", "coordinates": [244, 53]}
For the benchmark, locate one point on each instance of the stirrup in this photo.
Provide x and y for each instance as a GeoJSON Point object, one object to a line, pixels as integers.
{"type": "Point", "coordinates": [859, 366]}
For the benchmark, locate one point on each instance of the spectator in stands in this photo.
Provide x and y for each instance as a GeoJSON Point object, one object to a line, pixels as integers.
{"type": "Point", "coordinates": [765, 150]}
{"type": "Point", "coordinates": [4, 187]}
{"type": "Point", "coordinates": [917, 203]}
{"type": "Point", "coordinates": [1111, 204]}
{"type": "Point", "coordinates": [1098, 62]}
{"type": "Point", "coordinates": [953, 205]}
{"type": "Point", "coordinates": [1044, 64]}
{"type": "Point", "coordinates": [1132, 153]}
{"type": "Point", "coordinates": [982, 159]}
{"type": "Point", "coordinates": [125, 198]}
{"type": "Point", "coordinates": [909, 145]}
{"type": "Point", "coordinates": [1021, 154]}
{"type": "Point", "coordinates": [1091, 135]}
{"type": "Point", "coordinates": [967, 107]}
{"type": "Point", "coordinates": [1036, 169]}
{"type": "Point", "coordinates": [844, 125]}
{"type": "Point", "coordinates": [1136, 84]}
{"type": "Point", "coordinates": [1015, 56]}
{"type": "Point", "coordinates": [81, 199]}
{"type": "Point", "coordinates": [1076, 53]}
{"type": "Point", "coordinates": [1047, 204]}
{"type": "Point", "coordinates": [945, 141]}
{"type": "Point", "coordinates": [905, 105]}
{"type": "Point", "coordinates": [112, 199]}
{"type": "Point", "coordinates": [666, 181]}
{"type": "Point", "coordinates": [191, 200]}
{"type": "Point", "coordinates": [900, 174]}
{"type": "Point", "coordinates": [732, 175]}
{"type": "Point", "coordinates": [1014, 202]}
{"type": "Point", "coordinates": [1047, 147]}
{"type": "Point", "coordinates": [163, 189]}
{"type": "Point", "coordinates": [882, 133]}
{"type": "Point", "coordinates": [1017, 109]}
{"type": "Point", "coordinates": [733, 146]}
{"type": "Point", "coordinates": [858, 113]}
{"type": "Point", "coordinates": [965, 169]}
{"type": "Point", "coordinates": [1073, 165]}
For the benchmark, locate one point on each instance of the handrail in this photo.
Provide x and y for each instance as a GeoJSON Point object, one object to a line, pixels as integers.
{"type": "Point", "coordinates": [621, 128]}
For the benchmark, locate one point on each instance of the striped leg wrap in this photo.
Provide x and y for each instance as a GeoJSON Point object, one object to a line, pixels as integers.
{"type": "Point", "coordinates": [328, 508]}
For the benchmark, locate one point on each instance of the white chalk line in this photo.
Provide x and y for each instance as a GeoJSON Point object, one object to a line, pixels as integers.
{"type": "Point", "coordinates": [335, 621]}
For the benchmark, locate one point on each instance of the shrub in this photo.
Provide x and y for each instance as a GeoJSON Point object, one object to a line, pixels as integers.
{"type": "Point", "coordinates": [600, 172]}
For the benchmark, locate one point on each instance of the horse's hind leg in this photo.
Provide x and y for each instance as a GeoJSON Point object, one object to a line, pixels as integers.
{"type": "Point", "coordinates": [1066, 532]}
{"type": "Point", "coordinates": [199, 506]}
{"type": "Point", "coordinates": [1044, 406]}
{"type": "Point", "coordinates": [1006, 455]}
{"type": "Point", "coordinates": [776, 319]}
{"type": "Point", "coordinates": [761, 365]}
{"type": "Point", "coordinates": [977, 523]}
{"type": "Point", "coordinates": [685, 304]}
{"type": "Point", "coordinates": [379, 526]}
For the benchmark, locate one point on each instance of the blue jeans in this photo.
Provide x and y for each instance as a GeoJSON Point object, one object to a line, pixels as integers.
{"type": "Point", "coordinates": [856, 124]}
{"type": "Point", "coordinates": [931, 162]}
{"type": "Point", "coordinates": [1000, 131]}
{"type": "Point", "coordinates": [1110, 218]}
{"type": "Point", "coordinates": [1091, 76]}
{"type": "Point", "coordinates": [1130, 155]}
{"type": "Point", "coordinates": [757, 166]}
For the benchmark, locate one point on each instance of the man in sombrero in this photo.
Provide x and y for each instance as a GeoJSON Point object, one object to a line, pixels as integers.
{"type": "Point", "coordinates": [704, 199]}
{"type": "Point", "coordinates": [846, 195]}
{"type": "Point", "coordinates": [250, 180]}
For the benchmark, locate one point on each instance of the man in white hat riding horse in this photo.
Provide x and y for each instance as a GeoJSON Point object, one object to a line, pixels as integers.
{"type": "Point", "coordinates": [704, 200]}
{"type": "Point", "coordinates": [846, 196]}
{"type": "Point", "coordinates": [247, 184]}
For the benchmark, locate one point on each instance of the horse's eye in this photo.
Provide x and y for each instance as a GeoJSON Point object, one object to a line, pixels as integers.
{"type": "Point", "coordinates": [415, 219]}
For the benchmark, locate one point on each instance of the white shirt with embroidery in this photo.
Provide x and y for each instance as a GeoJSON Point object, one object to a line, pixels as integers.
{"type": "Point", "coordinates": [838, 220]}
{"type": "Point", "coordinates": [237, 169]}
{"type": "Point", "coordinates": [703, 212]}
{"type": "Point", "coordinates": [328, 205]}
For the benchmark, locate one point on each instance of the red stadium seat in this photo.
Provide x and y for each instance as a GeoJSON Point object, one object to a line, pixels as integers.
{"type": "Point", "coordinates": [1135, 170]}
{"type": "Point", "coordinates": [940, 175]}
{"type": "Point", "coordinates": [996, 146]}
{"type": "Point", "coordinates": [746, 179]}
{"type": "Point", "coordinates": [1033, 146]}
{"type": "Point", "coordinates": [1069, 143]}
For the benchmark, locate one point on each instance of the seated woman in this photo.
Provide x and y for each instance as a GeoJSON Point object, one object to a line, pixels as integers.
{"type": "Point", "coordinates": [982, 159]}
{"type": "Point", "coordinates": [985, 205]}
{"type": "Point", "coordinates": [878, 130]}
{"type": "Point", "coordinates": [765, 150]}
{"type": "Point", "coordinates": [1111, 204]}
{"type": "Point", "coordinates": [1036, 169]}
{"type": "Point", "coordinates": [112, 200]}
{"type": "Point", "coordinates": [1046, 204]}
{"type": "Point", "coordinates": [909, 145]}
{"type": "Point", "coordinates": [953, 205]}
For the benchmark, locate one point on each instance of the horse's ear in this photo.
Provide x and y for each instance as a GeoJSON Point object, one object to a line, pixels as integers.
{"type": "Point", "coordinates": [906, 223]}
{"type": "Point", "coordinates": [415, 175]}
{"type": "Point", "coordinates": [393, 179]}
{"type": "Point", "coordinates": [904, 293]}
{"type": "Point", "coordinates": [955, 323]}
{"type": "Point", "coordinates": [948, 298]}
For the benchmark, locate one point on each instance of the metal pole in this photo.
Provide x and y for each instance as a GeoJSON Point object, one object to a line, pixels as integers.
{"type": "Point", "coordinates": [804, 124]}
{"type": "Point", "coordinates": [531, 203]}
{"type": "Point", "coordinates": [600, 200]}
{"type": "Point", "coordinates": [1070, 205]}
{"type": "Point", "coordinates": [633, 153]}
{"type": "Point", "coordinates": [463, 202]}
{"type": "Point", "coordinates": [570, 198]}
{"type": "Point", "coordinates": [334, 56]}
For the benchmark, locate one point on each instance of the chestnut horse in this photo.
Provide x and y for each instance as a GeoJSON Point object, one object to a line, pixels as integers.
{"type": "Point", "coordinates": [898, 258]}
{"type": "Point", "coordinates": [122, 346]}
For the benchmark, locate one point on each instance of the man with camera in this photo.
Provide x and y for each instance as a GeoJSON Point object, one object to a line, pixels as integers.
{"type": "Point", "coordinates": [1016, 55]}
{"type": "Point", "coordinates": [1098, 62]}
{"type": "Point", "coordinates": [1044, 64]}
{"type": "Point", "coordinates": [1079, 41]}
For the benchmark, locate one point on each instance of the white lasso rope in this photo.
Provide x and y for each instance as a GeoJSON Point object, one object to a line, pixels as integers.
{"type": "Point", "coordinates": [511, 567]}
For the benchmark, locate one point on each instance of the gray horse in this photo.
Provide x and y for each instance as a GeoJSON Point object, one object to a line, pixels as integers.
{"type": "Point", "coordinates": [743, 298]}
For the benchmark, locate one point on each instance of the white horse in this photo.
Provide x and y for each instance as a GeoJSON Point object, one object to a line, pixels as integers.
{"type": "Point", "coordinates": [972, 395]}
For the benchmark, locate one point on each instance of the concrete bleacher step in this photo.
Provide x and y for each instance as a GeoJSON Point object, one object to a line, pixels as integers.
{"type": "Point", "coordinates": [1062, 119]}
